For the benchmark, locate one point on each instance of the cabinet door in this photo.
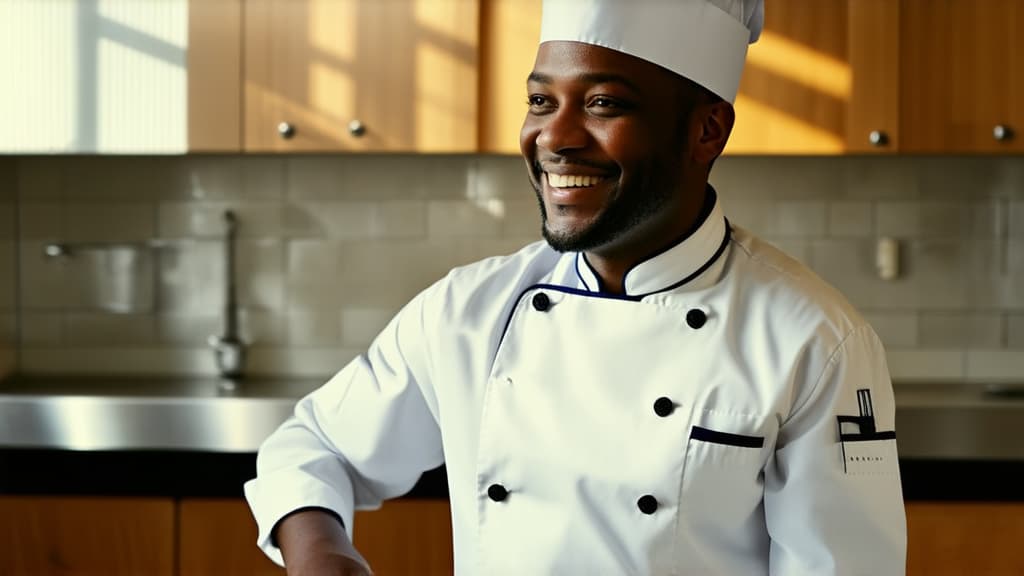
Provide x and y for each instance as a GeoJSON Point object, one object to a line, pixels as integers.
{"type": "Point", "coordinates": [963, 75]}
{"type": "Point", "coordinates": [329, 75]}
{"type": "Point", "coordinates": [120, 76]}
{"type": "Point", "coordinates": [510, 32]}
{"type": "Point", "coordinates": [41, 536]}
{"type": "Point", "coordinates": [796, 85]}
{"type": "Point", "coordinates": [407, 537]}
{"type": "Point", "coordinates": [217, 537]}
{"type": "Point", "coordinates": [980, 539]}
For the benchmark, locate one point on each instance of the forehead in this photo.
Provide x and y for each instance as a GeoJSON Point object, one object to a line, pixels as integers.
{"type": "Point", "coordinates": [575, 61]}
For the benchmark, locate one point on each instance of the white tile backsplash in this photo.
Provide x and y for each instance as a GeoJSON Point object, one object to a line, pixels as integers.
{"type": "Point", "coordinates": [42, 328]}
{"type": "Point", "coordinates": [995, 365]}
{"type": "Point", "coordinates": [8, 273]}
{"type": "Point", "coordinates": [850, 219]}
{"type": "Point", "coordinates": [98, 330]}
{"type": "Point", "coordinates": [464, 218]}
{"type": "Point", "coordinates": [333, 245]}
{"type": "Point", "coordinates": [109, 222]}
{"type": "Point", "coordinates": [359, 326]}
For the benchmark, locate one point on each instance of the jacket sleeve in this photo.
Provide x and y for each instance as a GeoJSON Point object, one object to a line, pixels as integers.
{"type": "Point", "coordinates": [833, 504]}
{"type": "Point", "coordinates": [364, 436]}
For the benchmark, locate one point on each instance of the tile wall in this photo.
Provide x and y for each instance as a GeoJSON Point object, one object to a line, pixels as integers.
{"type": "Point", "coordinates": [331, 246]}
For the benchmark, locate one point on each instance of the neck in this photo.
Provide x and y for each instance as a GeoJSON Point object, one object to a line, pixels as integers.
{"type": "Point", "coordinates": [611, 263]}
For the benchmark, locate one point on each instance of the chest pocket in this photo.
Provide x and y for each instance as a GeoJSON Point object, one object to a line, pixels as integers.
{"type": "Point", "coordinates": [722, 471]}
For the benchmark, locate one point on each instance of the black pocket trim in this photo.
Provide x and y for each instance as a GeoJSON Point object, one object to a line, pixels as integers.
{"type": "Point", "coordinates": [715, 437]}
{"type": "Point", "coordinates": [890, 435]}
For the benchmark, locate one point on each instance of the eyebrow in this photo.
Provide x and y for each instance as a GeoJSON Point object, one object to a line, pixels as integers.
{"type": "Point", "coordinates": [589, 77]}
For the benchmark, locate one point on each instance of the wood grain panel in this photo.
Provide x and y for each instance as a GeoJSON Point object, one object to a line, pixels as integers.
{"type": "Point", "coordinates": [873, 46]}
{"type": "Point", "coordinates": [43, 536]}
{"type": "Point", "coordinates": [509, 34]}
{"type": "Point", "coordinates": [218, 538]}
{"type": "Point", "coordinates": [962, 75]}
{"type": "Point", "coordinates": [407, 537]}
{"type": "Point", "coordinates": [214, 76]}
{"type": "Point", "coordinates": [980, 539]}
{"type": "Point", "coordinates": [795, 89]}
{"type": "Point", "coordinates": [406, 70]}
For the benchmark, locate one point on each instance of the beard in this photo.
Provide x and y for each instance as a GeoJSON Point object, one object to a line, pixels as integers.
{"type": "Point", "coordinates": [631, 205]}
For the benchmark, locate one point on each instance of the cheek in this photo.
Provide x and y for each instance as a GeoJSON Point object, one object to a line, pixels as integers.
{"type": "Point", "coordinates": [528, 137]}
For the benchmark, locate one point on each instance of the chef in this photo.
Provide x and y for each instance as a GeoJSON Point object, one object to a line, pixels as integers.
{"type": "Point", "coordinates": [651, 390]}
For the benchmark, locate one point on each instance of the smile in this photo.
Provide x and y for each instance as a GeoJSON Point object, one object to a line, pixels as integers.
{"type": "Point", "coordinates": [572, 181]}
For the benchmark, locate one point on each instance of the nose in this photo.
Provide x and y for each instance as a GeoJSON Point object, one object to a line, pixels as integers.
{"type": "Point", "coordinates": [564, 130]}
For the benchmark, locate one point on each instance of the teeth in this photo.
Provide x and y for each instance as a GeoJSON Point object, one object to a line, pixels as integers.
{"type": "Point", "coordinates": [571, 180]}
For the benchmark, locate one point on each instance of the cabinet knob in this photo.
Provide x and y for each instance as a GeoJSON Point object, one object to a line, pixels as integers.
{"type": "Point", "coordinates": [878, 138]}
{"type": "Point", "coordinates": [1002, 132]}
{"type": "Point", "coordinates": [356, 128]}
{"type": "Point", "coordinates": [286, 130]}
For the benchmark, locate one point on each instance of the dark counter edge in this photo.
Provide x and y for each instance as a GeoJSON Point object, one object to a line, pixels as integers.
{"type": "Point", "coordinates": [221, 475]}
{"type": "Point", "coordinates": [174, 474]}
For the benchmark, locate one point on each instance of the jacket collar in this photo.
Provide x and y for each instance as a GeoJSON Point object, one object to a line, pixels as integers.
{"type": "Point", "coordinates": [675, 265]}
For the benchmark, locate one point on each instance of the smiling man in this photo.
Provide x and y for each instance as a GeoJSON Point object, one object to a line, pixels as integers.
{"type": "Point", "coordinates": [650, 391]}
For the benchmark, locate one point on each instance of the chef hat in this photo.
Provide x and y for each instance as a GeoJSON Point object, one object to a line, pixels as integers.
{"type": "Point", "coordinates": [702, 40]}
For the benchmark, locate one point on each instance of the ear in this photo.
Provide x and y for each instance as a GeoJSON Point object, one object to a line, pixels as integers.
{"type": "Point", "coordinates": [714, 121]}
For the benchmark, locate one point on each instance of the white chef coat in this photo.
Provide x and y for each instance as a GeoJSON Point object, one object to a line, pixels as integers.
{"type": "Point", "coordinates": [730, 414]}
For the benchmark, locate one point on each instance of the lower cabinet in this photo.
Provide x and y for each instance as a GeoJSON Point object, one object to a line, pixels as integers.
{"type": "Point", "coordinates": [100, 536]}
{"type": "Point", "coordinates": [958, 538]}
{"type": "Point", "coordinates": [404, 537]}
{"type": "Point", "coordinates": [90, 536]}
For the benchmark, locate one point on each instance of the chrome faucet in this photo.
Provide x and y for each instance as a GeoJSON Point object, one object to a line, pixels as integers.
{"type": "Point", "coordinates": [228, 348]}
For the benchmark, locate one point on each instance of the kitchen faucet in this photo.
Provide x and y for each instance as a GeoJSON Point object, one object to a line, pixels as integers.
{"type": "Point", "coordinates": [228, 348]}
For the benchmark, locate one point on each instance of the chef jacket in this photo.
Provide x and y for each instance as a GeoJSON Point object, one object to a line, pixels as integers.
{"type": "Point", "coordinates": [730, 413]}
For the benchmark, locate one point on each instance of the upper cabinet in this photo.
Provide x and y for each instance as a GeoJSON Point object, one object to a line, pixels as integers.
{"type": "Point", "coordinates": [120, 76]}
{"type": "Point", "coordinates": [963, 76]}
{"type": "Point", "coordinates": [509, 34]}
{"type": "Point", "coordinates": [822, 79]}
{"type": "Point", "coordinates": [348, 75]}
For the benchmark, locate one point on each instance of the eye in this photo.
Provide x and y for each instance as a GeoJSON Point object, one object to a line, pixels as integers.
{"type": "Point", "coordinates": [607, 106]}
{"type": "Point", "coordinates": [539, 103]}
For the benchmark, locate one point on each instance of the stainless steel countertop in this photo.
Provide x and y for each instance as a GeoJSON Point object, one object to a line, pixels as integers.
{"type": "Point", "coordinates": [941, 421]}
{"type": "Point", "coordinates": [145, 414]}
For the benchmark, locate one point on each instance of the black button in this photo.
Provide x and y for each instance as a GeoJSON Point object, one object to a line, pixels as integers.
{"type": "Point", "coordinates": [541, 302]}
{"type": "Point", "coordinates": [647, 504]}
{"type": "Point", "coordinates": [696, 318]}
{"type": "Point", "coordinates": [497, 492]}
{"type": "Point", "coordinates": [664, 406]}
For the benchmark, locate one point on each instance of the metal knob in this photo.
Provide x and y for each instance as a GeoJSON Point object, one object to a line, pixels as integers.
{"type": "Point", "coordinates": [878, 138]}
{"type": "Point", "coordinates": [356, 128]}
{"type": "Point", "coordinates": [1002, 132]}
{"type": "Point", "coordinates": [286, 130]}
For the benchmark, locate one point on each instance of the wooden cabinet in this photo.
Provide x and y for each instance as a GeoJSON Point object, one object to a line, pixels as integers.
{"type": "Point", "coordinates": [120, 76]}
{"type": "Point", "coordinates": [407, 537]}
{"type": "Point", "coordinates": [350, 75]}
{"type": "Point", "coordinates": [963, 75]}
{"type": "Point", "coordinates": [217, 537]}
{"type": "Point", "coordinates": [980, 539]}
{"type": "Point", "coordinates": [509, 34]}
{"type": "Point", "coordinates": [86, 536]}
{"type": "Point", "coordinates": [820, 80]}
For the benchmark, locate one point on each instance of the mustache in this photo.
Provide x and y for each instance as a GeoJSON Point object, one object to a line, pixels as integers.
{"type": "Point", "coordinates": [538, 163]}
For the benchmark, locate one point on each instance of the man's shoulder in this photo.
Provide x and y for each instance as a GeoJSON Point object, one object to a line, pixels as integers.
{"type": "Point", "coordinates": [793, 293]}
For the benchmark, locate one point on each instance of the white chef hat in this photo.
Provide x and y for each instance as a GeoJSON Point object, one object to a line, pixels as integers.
{"type": "Point", "coordinates": [702, 40]}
